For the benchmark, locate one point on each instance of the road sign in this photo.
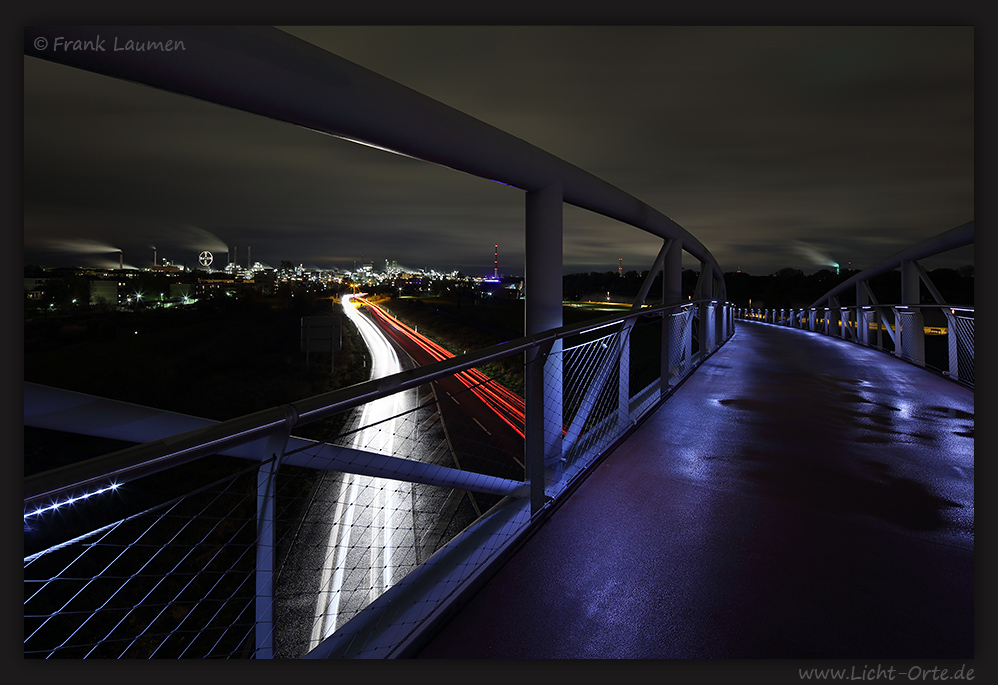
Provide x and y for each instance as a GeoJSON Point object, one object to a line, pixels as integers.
{"type": "Point", "coordinates": [320, 334]}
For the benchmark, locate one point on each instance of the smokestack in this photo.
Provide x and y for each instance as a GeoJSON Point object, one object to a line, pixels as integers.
{"type": "Point", "coordinates": [235, 255]}
{"type": "Point", "coordinates": [495, 268]}
{"type": "Point", "coordinates": [620, 267]}
{"type": "Point", "coordinates": [121, 259]}
{"type": "Point", "coordinates": [154, 256]}
{"type": "Point", "coordinates": [249, 258]}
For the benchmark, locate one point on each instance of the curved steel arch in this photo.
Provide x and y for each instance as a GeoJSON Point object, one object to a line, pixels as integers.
{"type": "Point", "coordinates": [266, 71]}
{"type": "Point", "coordinates": [960, 236]}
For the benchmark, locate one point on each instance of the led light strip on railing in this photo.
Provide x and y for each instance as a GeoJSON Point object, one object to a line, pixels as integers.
{"type": "Point", "coordinates": [70, 500]}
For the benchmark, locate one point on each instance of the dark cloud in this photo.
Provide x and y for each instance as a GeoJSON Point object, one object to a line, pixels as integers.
{"type": "Point", "coordinates": [857, 141]}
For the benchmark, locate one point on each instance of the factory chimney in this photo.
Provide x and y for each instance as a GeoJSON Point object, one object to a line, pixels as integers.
{"type": "Point", "coordinates": [121, 260]}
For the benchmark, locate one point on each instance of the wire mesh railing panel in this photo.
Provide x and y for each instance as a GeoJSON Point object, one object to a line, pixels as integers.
{"type": "Point", "coordinates": [695, 333]}
{"type": "Point", "coordinates": [681, 328]}
{"type": "Point", "coordinates": [356, 536]}
{"type": "Point", "coordinates": [591, 393]}
{"type": "Point", "coordinates": [133, 588]}
{"type": "Point", "coordinates": [354, 539]}
{"type": "Point", "coordinates": [867, 321]}
{"type": "Point", "coordinates": [965, 348]}
{"type": "Point", "coordinates": [645, 352]}
{"type": "Point", "coordinates": [172, 581]}
{"type": "Point", "coordinates": [383, 627]}
{"type": "Point", "coordinates": [910, 324]}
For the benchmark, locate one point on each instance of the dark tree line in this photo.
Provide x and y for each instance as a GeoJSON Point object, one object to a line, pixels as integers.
{"type": "Point", "coordinates": [597, 285]}
{"type": "Point", "coordinates": [793, 288]}
{"type": "Point", "coordinates": [787, 287]}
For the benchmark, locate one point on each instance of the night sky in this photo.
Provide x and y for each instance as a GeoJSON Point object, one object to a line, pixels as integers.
{"type": "Point", "coordinates": [776, 147]}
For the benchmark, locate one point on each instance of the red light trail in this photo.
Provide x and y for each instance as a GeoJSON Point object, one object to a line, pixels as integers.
{"type": "Point", "coordinates": [506, 404]}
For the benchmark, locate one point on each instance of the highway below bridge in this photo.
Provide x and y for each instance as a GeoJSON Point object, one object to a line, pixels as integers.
{"type": "Point", "coordinates": [797, 497]}
{"type": "Point", "coordinates": [366, 533]}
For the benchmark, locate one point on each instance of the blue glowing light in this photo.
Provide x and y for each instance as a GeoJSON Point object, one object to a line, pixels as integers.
{"type": "Point", "coordinates": [72, 500]}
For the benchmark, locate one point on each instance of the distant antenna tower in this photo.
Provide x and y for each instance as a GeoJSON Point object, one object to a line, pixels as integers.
{"type": "Point", "coordinates": [620, 267]}
{"type": "Point", "coordinates": [495, 267]}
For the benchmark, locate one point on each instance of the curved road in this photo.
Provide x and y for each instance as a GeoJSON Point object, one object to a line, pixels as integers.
{"type": "Point", "coordinates": [485, 421]}
{"type": "Point", "coordinates": [380, 529]}
{"type": "Point", "coordinates": [365, 506]}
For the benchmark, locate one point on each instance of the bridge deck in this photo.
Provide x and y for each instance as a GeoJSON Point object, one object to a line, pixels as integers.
{"type": "Point", "coordinates": [797, 497]}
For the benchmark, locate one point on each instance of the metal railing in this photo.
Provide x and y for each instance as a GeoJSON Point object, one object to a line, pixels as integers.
{"type": "Point", "coordinates": [938, 337]}
{"type": "Point", "coordinates": [239, 540]}
{"type": "Point", "coordinates": [354, 546]}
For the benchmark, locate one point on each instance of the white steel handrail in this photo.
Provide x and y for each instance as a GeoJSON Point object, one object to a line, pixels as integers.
{"type": "Point", "coordinates": [167, 452]}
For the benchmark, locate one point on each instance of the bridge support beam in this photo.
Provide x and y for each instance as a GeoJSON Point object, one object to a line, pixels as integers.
{"type": "Point", "coordinates": [911, 322]}
{"type": "Point", "coordinates": [674, 343]}
{"type": "Point", "coordinates": [862, 315]}
{"type": "Point", "coordinates": [543, 311]}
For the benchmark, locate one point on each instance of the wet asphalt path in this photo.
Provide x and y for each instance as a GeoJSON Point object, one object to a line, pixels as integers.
{"type": "Point", "coordinates": [797, 497]}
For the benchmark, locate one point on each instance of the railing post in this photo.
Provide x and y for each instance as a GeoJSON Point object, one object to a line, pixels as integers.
{"type": "Point", "coordinates": [862, 322]}
{"type": "Point", "coordinates": [834, 323]}
{"type": "Point", "coordinates": [543, 311]}
{"type": "Point", "coordinates": [624, 377]}
{"type": "Point", "coordinates": [718, 317]}
{"type": "Point", "coordinates": [265, 521]}
{"type": "Point", "coordinates": [704, 293]}
{"type": "Point", "coordinates": [952, 343]}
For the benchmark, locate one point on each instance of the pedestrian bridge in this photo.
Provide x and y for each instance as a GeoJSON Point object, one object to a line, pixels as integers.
{"type": "Point", "coordinates": [796, 497]}
{"type": "Point", "coordinates": [694, 479]}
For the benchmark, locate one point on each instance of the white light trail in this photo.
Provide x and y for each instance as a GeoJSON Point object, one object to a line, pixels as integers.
{"type": "Point", "coordinates": [378, 437]}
